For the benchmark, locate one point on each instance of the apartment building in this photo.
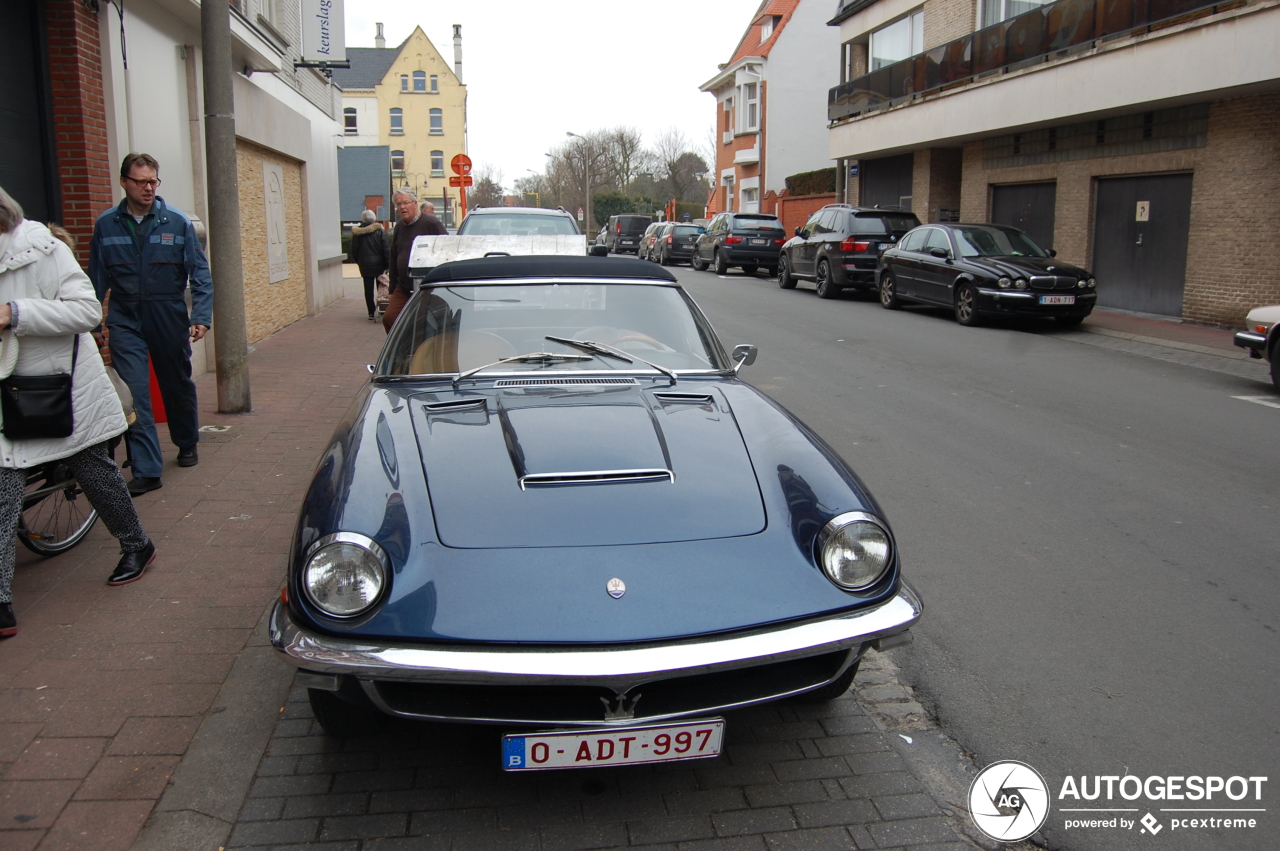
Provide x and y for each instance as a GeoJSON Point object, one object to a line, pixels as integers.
{"type": "Point", "coordinates": [770, 103]}
{"type": "Point", "coordinates": [409, 100]}
{"type": "Point", "coordinates": [1139, 138]}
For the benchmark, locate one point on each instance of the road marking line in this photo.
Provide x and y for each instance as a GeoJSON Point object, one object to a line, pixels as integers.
{"type": "Point", "coordinates": [1269, 401]}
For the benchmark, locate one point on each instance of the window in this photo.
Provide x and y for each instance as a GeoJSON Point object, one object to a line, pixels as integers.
{"type": "Point", "coordinates": [404, 82]}
{"type": "Point", "coordinates": [766, 28]}
{"type": "Point", "coordinates": [437, 163]}
{"type": "Point", "coordinates": [728, 193]}
{"type": "Point", "coordinates": [995, 11]}
{"type": "Point", "coordinates": [937, 239]}
{"type": "Point", "coordinates": [750, 200]}
{"type": "Point", "coordinates": [899, 40]}
{"type": "Point", "coordinates": [750, 106]}
{"type": "Point", "coordinates": [349, 126]}
{"type": "Point", "coordinates": [419, 81]}
{"type": "Point", "coordinates": [435, 84]}
{"type": "Point", "coordinates": [914, 241]}
{"type": "Point", "coordinates": [397, 121]}
{"type": "Point", "coordinates": [437, 122]}
{"type": "Point", "coordinates": [397, 160]}
{"type": "Point", "coordinates": [728, 121]}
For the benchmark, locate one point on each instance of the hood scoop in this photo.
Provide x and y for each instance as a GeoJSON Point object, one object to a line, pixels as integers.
{"type": "Point", "coordinates": [565, 382]}
{"type": "Point", "coordinates": [586, 468]}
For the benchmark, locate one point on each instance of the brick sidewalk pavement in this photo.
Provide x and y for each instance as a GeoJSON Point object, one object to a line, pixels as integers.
{"type": "Point", "coordinates": [103, 689]}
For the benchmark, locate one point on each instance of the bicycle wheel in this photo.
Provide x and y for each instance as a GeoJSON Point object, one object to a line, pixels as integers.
{"type": "Point", "coordinates": [56, 515]}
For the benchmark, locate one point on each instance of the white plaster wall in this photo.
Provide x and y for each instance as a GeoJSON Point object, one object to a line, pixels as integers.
{"type": "Point", "coordinates": [803, 64]}
{"type": "Point", "coordinates": [366, 119]}
{"type": "Point", "coordinates": [1233, 55]}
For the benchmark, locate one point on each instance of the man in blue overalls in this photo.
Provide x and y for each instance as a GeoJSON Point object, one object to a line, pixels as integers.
{"type": "Point", "coordinates": [143, 253]}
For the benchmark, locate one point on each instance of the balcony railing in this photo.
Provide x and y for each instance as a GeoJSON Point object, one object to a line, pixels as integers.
{"type": "Point", "coordinates": [1042, 34]}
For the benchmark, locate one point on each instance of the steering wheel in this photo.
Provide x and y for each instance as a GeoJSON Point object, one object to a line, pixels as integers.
{"type": "Point", "coordinates": [637, 337]}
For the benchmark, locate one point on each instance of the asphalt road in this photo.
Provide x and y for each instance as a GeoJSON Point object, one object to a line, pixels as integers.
{"type": "Point", "coordinates": [1094, 534]}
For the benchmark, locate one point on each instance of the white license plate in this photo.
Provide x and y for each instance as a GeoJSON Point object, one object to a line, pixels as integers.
{"type": "Point", "coordinates": [885, 246]}
{"type": "Point", "coordinates": [628, 241]}
{"type": "Point", "coordinates": [758, 241]}
{"type": "Point", "coordinates": [1057, 299]}
{"type": "Point", "coordinates": [622, 746]}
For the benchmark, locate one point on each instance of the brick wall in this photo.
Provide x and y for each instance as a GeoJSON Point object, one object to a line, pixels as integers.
{"type": "Point", "coordinates": [1235, 232]}
{"type": "Point", "coordinates": [945, 20]}
{"type": "Point", "coordinates": [79, 117]}
{"type": "Point", "coordinates": [269, 307]}
{"type": "Point", "coordinates": [795, 210]}
{"type": "Point", "coordinates": [935, 181]}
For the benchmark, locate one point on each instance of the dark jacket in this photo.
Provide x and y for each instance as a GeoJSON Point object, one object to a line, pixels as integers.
{"type": "Point", "coordinates": [369, 249]}
{"type": "Point", "coordinates": [402, 243]}
{"type": "Point", "coordinates": [150, 262]}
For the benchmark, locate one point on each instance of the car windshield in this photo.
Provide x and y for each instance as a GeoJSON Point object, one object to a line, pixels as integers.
{"type": "Point", "coordinates": [873, 224]}
{"type": "Point", "coordinates": [494, 224]}
{"type": "Point", "coordinates": [996, 242]}
{"type": "Point", "coordinates": [450, 329]}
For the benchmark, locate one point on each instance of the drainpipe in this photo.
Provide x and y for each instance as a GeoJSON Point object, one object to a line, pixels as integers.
{"type": "Point", "coordinates": [231, 344]}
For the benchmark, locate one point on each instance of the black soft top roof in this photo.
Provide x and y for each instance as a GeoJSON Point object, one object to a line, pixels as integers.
{"type": "Point", "coordinates": [547, 266]}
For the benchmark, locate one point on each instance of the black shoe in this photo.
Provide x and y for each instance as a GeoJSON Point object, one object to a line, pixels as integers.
{"type": "Point", "coordinates": [8, 623]}
{"type": "Point", "coordinates": [188, 457]}
{"type": "Point", "coordinates": [139, 485]}
{"type": "Point", "coordinates": [372, 318]}
{"type": "Point", "coordinates": [132, 565]}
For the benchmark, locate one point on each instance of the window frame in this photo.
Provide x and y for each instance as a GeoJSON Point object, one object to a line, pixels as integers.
{"type": "Point", "coordinates": [914, 20]}
{"type": "Point", "coordinates": [350, 121]}
{"type": "Point", "coordinates": [749, 117]}
{"type": "Point", "coordinates": [397, 121]}
{"type": "Point", "coordinates": [404, 82]}
{"type": "Point", "coordinates": [437, 172]}
{"type": "Point", "coordinates": [400, 156]}
{"type": "Point", "coordinates": [436, 117]}
{"type": "Point", "coordinates": [420, 82]}
{"type": "Point", "coordinates": [434, 87]}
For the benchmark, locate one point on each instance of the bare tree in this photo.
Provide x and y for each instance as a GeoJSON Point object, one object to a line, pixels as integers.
{"type": "Point", "coordinates": [625, 156]}
{"type": "Point", "coordinates": [487, 190]}
{"type": "Point", "coordinates": [535, 189]}
{"type": "Point", "coordinates": [679, 167]}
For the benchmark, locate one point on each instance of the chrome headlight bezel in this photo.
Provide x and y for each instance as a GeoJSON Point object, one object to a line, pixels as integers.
{"type": "Point", "coordinates": [375, 560]}
{"type": "Point", "coordinates": [1004, 283]}
{"type": "Point", "coordinates": [1020, 284]}
{"type": "Point", "coordinates": [827, 537]}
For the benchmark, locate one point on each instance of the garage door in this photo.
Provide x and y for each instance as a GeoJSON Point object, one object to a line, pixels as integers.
{"type": "Point", "coordinates": [886, 182]}
{"type": "Point", "coordinates": [1140, 242]}
{"type": "Point", "coordinates": [1028, 207]}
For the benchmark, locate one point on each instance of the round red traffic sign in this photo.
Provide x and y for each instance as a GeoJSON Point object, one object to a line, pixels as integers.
{"type": "Point", "coordinates": [461, 164]}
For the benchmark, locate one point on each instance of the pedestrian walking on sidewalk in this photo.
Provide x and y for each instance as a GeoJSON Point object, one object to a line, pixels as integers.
{"type": "Point", "coordinates": [370, 252]}
{"type": "Point", "coordinates": [143, 254]}
{"type": "Point", "coordinates": [413, 223]}
{"type": "Point", "coordinates": [47, 308]}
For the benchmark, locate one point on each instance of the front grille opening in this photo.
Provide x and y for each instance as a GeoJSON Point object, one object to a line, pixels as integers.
{"type": "Point", "coordinates": [563, 382]}
{"type": "Point", "coordinates": [564, 704]}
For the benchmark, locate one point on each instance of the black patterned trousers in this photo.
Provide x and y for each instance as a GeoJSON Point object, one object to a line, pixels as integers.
{"type": "Point", "coordinates": [102, 483]}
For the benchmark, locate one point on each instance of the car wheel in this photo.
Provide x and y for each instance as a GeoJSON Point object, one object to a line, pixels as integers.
{"type": "Point", "coordinates": [784, 274]}
{"type": "Point", "coordinates": [826, 284]}
{"type": "Point", "coordinates": [1275, 365]}
{"type": "Point", "coordinates": [697, 262]}
{"type": "Point", "coordinates": [889, 292]}
{"type": "Point", "coordinates": [1069, 321]}
{"type": "Point", "coordinates": [340, 718]}
{"type": "Point", "coordinates": [663, 259]}
{"type": "Point", "coordinates": [832, 690]}
{"type": "Point", "coordinates": [967, 305]}
{"type": "Point", "coordinates": [722, 263]}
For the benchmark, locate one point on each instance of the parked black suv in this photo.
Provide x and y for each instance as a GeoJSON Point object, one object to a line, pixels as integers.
{"type": "Point", "coordinates": [674, 242]}
{"type": "Point", "coordinates": [840, 247]}
{"type": "Point", "coordinates": [622, 233]}
{"type": "Point", "coordinates": [749, 240]}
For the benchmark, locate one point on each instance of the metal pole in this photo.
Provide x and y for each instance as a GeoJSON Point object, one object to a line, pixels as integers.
{"type": "Point", "coordinates": [231, 345]}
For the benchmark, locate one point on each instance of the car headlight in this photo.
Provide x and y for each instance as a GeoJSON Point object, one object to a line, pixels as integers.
{"type": "Point", "coordinates": [854, 549]}
{"type": "Point", "coordinates": [345, 574]}
{"type": "Point", "coordinates": [1093, 282]}
{"type": "Point", "coordinates": [1005, 283]}
{"type": "Point", "coordinates": [1081, 283]}
{"type": "Point", "coordinates": [1020, 284]}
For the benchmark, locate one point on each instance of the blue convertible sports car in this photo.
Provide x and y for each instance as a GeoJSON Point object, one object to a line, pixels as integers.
{"type": "Point", "coordinates": [555, 508]}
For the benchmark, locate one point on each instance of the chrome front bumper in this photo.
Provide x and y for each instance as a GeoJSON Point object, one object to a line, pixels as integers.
{"type": "Point", "coordinates": [619, 669]}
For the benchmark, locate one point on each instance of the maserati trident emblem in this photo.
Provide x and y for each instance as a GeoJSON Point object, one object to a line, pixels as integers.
{"type": "Point", "coordinates": [616, 587]}
{"type": "Point", "coordinates": [624, 709]}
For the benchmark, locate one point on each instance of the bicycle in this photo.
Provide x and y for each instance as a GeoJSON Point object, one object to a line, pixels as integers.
{"type": "Point", "coordinates": [56, 514]}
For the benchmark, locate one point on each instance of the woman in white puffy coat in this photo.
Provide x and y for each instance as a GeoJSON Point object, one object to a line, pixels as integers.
{"type": "Point", "coordinates": [47, 305]}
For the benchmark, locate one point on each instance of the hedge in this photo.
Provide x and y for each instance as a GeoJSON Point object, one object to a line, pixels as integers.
{"type": "Point", "coordinates": [820, 182]}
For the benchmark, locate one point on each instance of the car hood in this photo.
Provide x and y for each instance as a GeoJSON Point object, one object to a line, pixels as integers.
{"type": "Point", "coordinates": [1015, 266]}
{"type": "Point", "coordinates": [538, 466]}
{"type": "Point", "coordinates": [1269, 315]}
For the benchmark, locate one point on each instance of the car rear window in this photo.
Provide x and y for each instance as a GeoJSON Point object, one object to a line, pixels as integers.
{"type": "Point", "coordinates": [757, 222]}
{"type": "Point", "coordinates": [495, 224]}
{"type": "Point", "coordinates": [881, 223]}
{"type": "Point", "coordinates": [633, 225]}
{"type": "Point", "coordinates": [687, 230]}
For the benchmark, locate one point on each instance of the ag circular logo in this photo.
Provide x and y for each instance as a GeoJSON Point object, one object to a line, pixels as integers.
{"type": "Point", "coordinates": [1009, 801]}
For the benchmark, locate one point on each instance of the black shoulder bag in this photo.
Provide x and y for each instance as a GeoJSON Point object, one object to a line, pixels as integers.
{"type": "Point", "coordinates": [38, 406]}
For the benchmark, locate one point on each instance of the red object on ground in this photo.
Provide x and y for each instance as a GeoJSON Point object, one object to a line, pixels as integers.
{"type": "Point", "coordinates": [157, 401]}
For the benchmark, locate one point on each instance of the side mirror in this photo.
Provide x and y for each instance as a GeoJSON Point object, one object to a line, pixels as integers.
{"type": "Point", "coordinates": [744, 354]}
{"type": "Point", "coordinates": [369, 367]}
{"type": "Point", "coordinates": [1052, 253]}
{"type": "Point", "coordinates": [939, 252]}
{"type": "Point", "coordinates": [599, 250]}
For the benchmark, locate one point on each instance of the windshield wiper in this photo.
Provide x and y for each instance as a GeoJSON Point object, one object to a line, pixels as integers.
{"type": "Point", "coordinates": [532, 357]}
{"type": "Point", "coordinates": [602, 349]}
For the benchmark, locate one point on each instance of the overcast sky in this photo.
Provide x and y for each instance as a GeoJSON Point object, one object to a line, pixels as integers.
{"type": "Point", "coordinates": [536, 70]}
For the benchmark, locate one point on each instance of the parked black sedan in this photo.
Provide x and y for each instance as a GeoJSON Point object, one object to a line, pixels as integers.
{"type": "Point", "coordinates": [984, 270]}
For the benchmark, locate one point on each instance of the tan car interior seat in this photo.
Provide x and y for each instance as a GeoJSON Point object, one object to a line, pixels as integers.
{"type": "Point", "coordinates": [444, 353]}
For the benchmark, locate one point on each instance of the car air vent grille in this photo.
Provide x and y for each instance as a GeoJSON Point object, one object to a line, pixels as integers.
{"type": "Point", "coordinates": [564, 382]}
{"type": "Point", "coordinates": [593, 477]}
{"type": "Point", "coordinates": [1052, 282]}
{"type": "Point", "coordinates": [685, 398]}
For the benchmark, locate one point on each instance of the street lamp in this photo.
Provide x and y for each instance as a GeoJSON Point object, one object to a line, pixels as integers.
{"type": "Point", "coordinates": [586, 169]}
